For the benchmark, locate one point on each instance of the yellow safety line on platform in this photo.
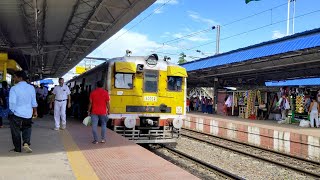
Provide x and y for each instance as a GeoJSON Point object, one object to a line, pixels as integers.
{"type": "Point", "coordinates": [79, 164]}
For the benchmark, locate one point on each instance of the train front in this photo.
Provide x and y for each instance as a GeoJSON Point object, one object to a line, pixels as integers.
{"type": "Point", "coordinates": [147, 99]}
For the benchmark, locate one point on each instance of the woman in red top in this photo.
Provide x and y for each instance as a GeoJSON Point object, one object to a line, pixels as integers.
{"type": "Point", "coordinates": [98, 109]}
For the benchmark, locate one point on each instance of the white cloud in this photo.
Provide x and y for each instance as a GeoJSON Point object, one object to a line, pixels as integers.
{"type": "Point", "coordinates": [166, 35]}
{"type": "Point", "coordinates": [166, 1]}
{"type": "Point", "coordinates": [197, 18]}
{"type": "Point", "coordinates": [277, 34]}
{"type": "Point", "coordinates": [139, 44]}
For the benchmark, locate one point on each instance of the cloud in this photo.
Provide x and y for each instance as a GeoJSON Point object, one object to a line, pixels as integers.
{"type": "Point", "coordinates": [277, 34]}
{"type": "Point", "coordinates": [160, 10]}
{"type": "Point", "coordinates": [166, 35]}
{"type": "Point", "coordinates": [166, 1]}
{"type": "Point", "coordinates": [197, 18]}
{"type": "Point", "coordinates": [139, 44]}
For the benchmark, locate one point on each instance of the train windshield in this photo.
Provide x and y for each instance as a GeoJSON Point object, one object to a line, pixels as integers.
{"type": "Point", "coordinates": [151, 81]}
{"type": "Point", "coordinates": [123, 81]}
{"type": "Point", "coordinates": [174, 83]}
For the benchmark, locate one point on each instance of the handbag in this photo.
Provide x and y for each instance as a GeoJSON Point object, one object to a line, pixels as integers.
{"type": "Point", "coordinates": [87, 121]}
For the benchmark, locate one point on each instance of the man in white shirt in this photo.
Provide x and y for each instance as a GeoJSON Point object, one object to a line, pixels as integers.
{"type": "Point", "coordinates": [62, 96]}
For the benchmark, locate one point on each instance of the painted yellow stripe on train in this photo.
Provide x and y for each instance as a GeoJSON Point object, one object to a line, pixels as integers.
{"type": "Point", "coordinates": [79, 164]}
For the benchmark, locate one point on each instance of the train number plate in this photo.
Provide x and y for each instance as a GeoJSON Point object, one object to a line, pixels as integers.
{"type": "Point", "coordinates": [150, 98]}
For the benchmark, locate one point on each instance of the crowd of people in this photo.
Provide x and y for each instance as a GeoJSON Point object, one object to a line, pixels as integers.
{"type": "Point", "coordinates": [24, 101]}
{"type": "Point", "coordinates": [203, 104]}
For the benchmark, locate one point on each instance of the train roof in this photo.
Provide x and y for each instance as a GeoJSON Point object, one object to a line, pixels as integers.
{"type": "Point", "coordinates": [136, 59]}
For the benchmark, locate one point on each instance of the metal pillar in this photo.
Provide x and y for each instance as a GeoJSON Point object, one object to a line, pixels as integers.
{"type": "Point", "coordinates": [4, 75]}
{"type": "Point", "coordinates": [218, 40]}
{"type": "Point", "coordinates": [215, 95]}
{"type": "Point", "coordinates": [232, 113]}
{"type": "Point", "coordinates": [288, 18]}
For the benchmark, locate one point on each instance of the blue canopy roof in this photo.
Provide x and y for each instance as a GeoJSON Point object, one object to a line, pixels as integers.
{"type": "Point", "coordinates": [296, 82]}
{"type": "Point", "coordinates": [46, 81]}
{"type": "Point", "coordinates": [304, 40]}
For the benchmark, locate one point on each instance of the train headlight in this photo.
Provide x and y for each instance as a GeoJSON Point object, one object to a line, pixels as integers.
{"type": "Point", "coordinates": [150, 122]}
{"type": "Point", "coordinates": [130, 122]}
{"type": "Point", "coordinates": [177, 123]}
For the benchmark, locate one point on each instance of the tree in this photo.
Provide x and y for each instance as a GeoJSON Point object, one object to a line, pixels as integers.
{"type": "Point", "coordinates": [182, 58]}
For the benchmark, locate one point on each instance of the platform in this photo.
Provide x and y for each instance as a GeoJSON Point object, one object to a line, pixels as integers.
{"type": "Point", "coordinates": [287, 138]}
{"type": "Point", "coordinates": [69, 154]}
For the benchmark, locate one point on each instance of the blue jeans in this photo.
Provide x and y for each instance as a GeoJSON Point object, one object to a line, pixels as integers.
{"type": "Point", "coordinates": [203, 108]}
{"type": "Point", "coordinates": [95, 119]}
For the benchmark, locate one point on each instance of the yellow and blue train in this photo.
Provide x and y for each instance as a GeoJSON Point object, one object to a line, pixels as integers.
{"type": "Point", "coordinates": [147, 96]}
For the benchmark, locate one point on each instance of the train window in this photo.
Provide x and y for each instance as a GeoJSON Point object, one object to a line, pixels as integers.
{"type": "Point", "coordinates": [123, 81]}
{"type": "Point", "coordinates": [174, 83]}
{"type": "Point", "coordinates": [151, 81]}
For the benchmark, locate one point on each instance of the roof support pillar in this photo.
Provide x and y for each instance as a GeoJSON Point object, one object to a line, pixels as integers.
{"type": "Point", "coordinates": [215, 95]}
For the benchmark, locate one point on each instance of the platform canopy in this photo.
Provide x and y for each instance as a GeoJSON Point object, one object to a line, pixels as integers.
{"type": "Point", "coordinates": [290, 57]}
{"type": "Point", "coordinates": [49, 37]}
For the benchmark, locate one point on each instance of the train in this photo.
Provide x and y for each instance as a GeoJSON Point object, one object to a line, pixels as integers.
{"type": "Point", "coordinates": [147, 96]}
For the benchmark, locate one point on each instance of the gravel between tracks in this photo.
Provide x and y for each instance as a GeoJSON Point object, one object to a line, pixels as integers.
{"type": "Point", "coordinates": [313, 167]}
{"type": "Point", "coordinates": [188, 165]}
{"type": "Point", "coordinates": [247, 167]}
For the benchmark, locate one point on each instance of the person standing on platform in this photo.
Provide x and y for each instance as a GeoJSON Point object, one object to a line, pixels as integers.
{"type": "Point", "coordinates": [76, 103]}
{"type": "Point", "coordinates": [188, 105]}
{"type": "Point", "coordinates": [203, 105]}
{"type": "Point", "coordinates": [4, 100]}
{"type": "Point", "coordinates": [228, 105]}
{"type": "Point", "coordinates": [23, 105]}
{"type": "Point", "coordinates": [99, 109]}
{"type": "Point", "coordinates": [210, 106]}
{"type": "Point", "coordinates": [42, 93]}
{"type": "Point", "coordinates": [50, 98]}
{"type": "Point", "coordinates": [197, 102]}
{"type": "Point", "coordinates": [61, 98]}
{"type": "Point", "coordinates": [84, 102]}
{"type": "Point", "coordinates": [314, 111]}
{"type": "Point", "coordinates": [284, 106]}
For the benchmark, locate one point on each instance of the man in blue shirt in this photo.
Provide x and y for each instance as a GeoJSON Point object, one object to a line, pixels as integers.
{"type": "Point", "coordinates": [23, 105]}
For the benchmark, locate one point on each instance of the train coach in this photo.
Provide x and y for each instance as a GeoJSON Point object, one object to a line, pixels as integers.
{"type": "Point", "coordinates": [147, 96]}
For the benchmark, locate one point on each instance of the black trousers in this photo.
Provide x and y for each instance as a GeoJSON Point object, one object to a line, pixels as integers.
{"type": "Point", "coordinates": [1, 123]}
{"type": "Point", "coordinates": [18, 125]}
{"type": "Point", "coordinates": [41, 107]}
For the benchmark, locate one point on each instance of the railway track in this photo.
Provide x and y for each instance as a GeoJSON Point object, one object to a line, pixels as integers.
{"type": "Point", "coordinates": [301, 165]}
{"type": "Point", "coordinates": [211, 168]}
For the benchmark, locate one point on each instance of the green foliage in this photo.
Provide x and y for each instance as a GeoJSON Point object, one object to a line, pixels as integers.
{"type": "Point", "coordinates": [182, 58]}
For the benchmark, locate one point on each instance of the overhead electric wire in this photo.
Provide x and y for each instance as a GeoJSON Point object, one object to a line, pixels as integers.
{"type": "Point", "coordinates": [241, 19]}
{"type": "Point", "coordinates": [209, 29]}
{"type": "Point", "coordinates": [245, 32]}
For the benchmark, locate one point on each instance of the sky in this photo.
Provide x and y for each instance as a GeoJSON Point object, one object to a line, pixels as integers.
{"type": "Point", "coordinates": [170, 27]}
